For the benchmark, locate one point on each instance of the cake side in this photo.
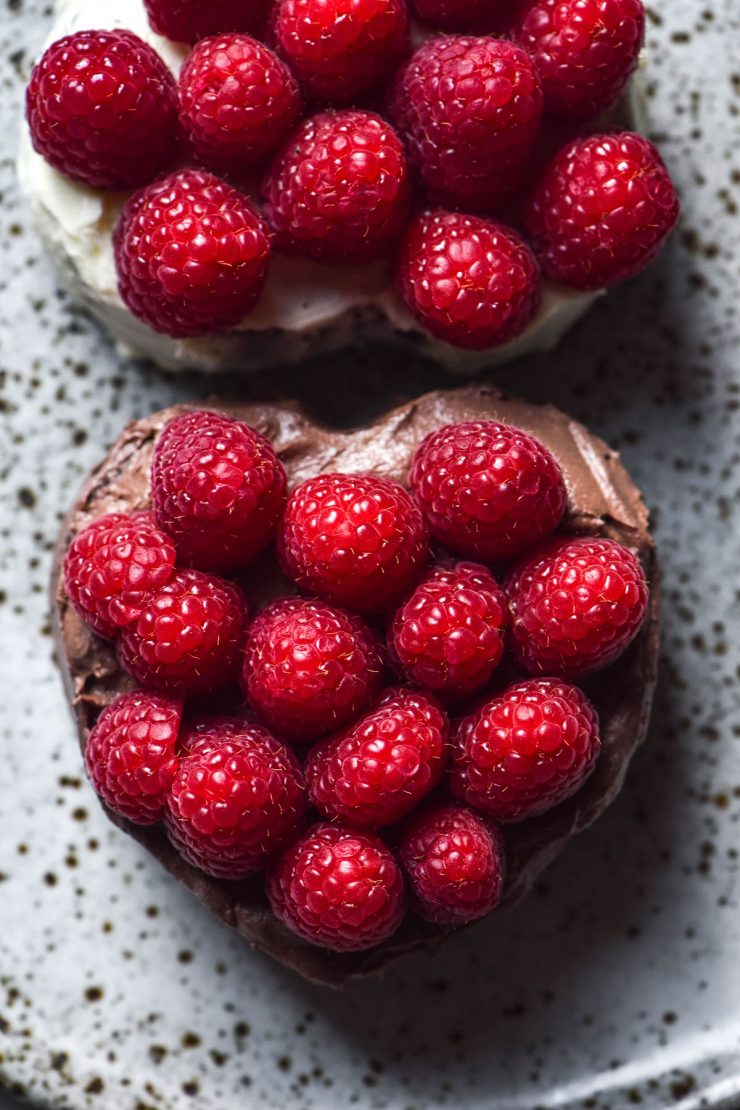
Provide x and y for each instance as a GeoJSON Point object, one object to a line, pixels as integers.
{"type": "Point", "coordinates": [602, 500]}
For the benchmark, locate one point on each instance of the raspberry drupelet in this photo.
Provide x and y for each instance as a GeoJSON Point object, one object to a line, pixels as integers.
{"type": "Point", "coordinates": [131, 755]}
{"type": "Point", "coordinates": [191, 254]}
{"type": "Point", "coordinates": [487, 489]}
{"type": "Point", "coordinates": [354, 539]}
{"type": "Point", "coordinates": [309, 668]}
{"type": "Point", "coordinates": [525, 751]}
{"type": "Point", "coordinates": [454, 862]}
{"type": "Point", "coordinates": [190, 20]}
{"type": "Point", "coordinates": [601, 210]}
{"type": "Point", "coordinates": [189, 637]}
{"type": "Point", "coordinates": [471, 282]}
{"type": "Point", "coordinates": [376, 771]}
{"type": "Point", "coordinates": [237, 798]}
{"type": "Point", "coordinates": [237, 102]}
{"type": "Point", "coordinates": [576, 604]}
{"type": "Point", "coordinates": [101, 109]}
{"type": "Point", "coordinates": [449, 635]}
{"type": "Point", "coordinates": [584, 51]}
{"type": "Point", "coordinates": [113, 566]}
{"type": "Point", "coordinates": [218, 490]}
{"type": "Point", "coordinates": [469, 109]}
{"type": "Point", "coordinates": [344, 51]}
{"type": "Point", "coordinates": [339, 191]}
{"type": "Point", "coordinates": [338, 888]}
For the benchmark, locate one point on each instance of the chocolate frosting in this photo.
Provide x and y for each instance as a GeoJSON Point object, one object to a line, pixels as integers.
{"type": "Point", "coordinates": [602, 500]}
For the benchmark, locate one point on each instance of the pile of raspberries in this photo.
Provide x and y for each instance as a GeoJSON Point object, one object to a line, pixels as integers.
{"type": "Point", "coordinates": [452, 136]}
{"type": "Point", "coordinates": [399, 703]}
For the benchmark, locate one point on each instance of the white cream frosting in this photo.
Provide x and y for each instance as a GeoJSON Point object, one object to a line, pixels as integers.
{"type": "Point", "coordinates": [306, 307]}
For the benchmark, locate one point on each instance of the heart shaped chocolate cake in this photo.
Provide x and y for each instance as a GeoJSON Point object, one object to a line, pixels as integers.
{"type": "Point", "coordinates": [357, 689]}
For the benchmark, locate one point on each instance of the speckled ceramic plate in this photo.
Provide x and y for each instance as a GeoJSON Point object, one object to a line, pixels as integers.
{"type": "Point", "coordinates": [618, 982]}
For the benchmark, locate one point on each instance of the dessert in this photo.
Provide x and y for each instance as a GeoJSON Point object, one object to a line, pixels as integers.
{"type": "Point", "coordinates": [396, 777]}
{"type": "Point", "coordinates": [342, 132]}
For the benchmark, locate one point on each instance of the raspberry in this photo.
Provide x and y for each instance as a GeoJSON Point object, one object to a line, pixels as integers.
{"type": "Point", "coordinates": [576, 604]}
{"type": "Point", "coordinates": [457, 15]}
{"type": "Point", "coordinates": [191, 254]}
{"type": "Point", "coordinates": [113, 566]}
{"type": "Point", "coordinates": [338, 888]}
{"type": "Point", "coordinates": [470, 110]}
{"type": "Point", "coordinates": [188, 637]}
{"type": "Point", "coordinates": [584, 51]}
{"type": "Point", "coordinates": [218, 489]}
{"type": "Point", "coordinates": [455, 864]}
{"type": "Point", "coordinates": [101, 109]}
{"type": "Point", "coordinates": [526, 751]}
{"type": "Point", "coordinates": [378, 769]}
{"type": "Point", "coordinates": [354, 539]}
{"type": "Point", "coordinates": [237, 100]}
{"type": "Point", "coordinates": [237, 797]}
{"type": "Point", "coordinates": [601, 210]}
{"type": "Point", "coordinates": [487, 489]}
{"type": "Point", "coordinates": [190, 20]}
{"type": "Point", "coordinates": [204, 726]}
{"type": "Point", "coordinates": [309, 668]}
{"type": "Point", "coordinates": [471, 282]}
{"type": "Point", "coordinates": [449, 635]}
{"type": "Point", "coordinates": [339, 191]}
{"type": "Point", "coordinates": [130, 755]}
{"type": "Point", "coordinates": [344, 50]}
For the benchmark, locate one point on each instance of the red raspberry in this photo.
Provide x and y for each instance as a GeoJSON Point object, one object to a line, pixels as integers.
{"type": "Point", "coordinates": [339, 191]}
{"type": "Point", "coordinates": [526, 751]}
{"type": "Point", "coordinates": [237, 797]}
{"type": "Point", "coordinates": [188, 637]}
{"type": "Point", "coordinates": [449, 635]}
{"type": "Point", "coordinates": [112, 568]}
{"type": "Point", "coordinates": [344, 50]}
{"type": "Point", "coordinates": [471, 282]}
{"type": "Point", "coordinates": [238, 102]}
{"type": "Point", "coordinates": [338, 888]}
{"type": "Point", "coordinates": [191, 254]}
{"type": "Point", "coordinates": [218, 489]}
{"type": "Point", "coordinates": [601, 210]}
{"type": "Point", "coordinates": [101, 109]}
{"type": "Point", "coordinates": [576, 604]}
{"type": "Point", "coordinates": [204, 726]}
{"type": "Point", "coordinates": [458, 15]}
{"type": "Point", "coordinates": [455, 864]}
{"type": "Point", "coordinates": [354, 539]}
{"type": "Point", "coordinates": [584, 51]}
{"type": "Point", "coordinates": [470, 110]}
{"type": "Point", "coordinates": [377, 770]}
{"type": "Point", "coordinates": [130, 755]}
{"type": "Point", "coordinates": [190, 20]}
{"type": "Point", "coordinates": [309, 668]}
{"type": "Point", "coordinates": [487, 489]}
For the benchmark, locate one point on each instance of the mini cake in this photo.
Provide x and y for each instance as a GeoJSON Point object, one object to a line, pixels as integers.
{"type": "Point", "coordinates": [471, 250]}
{"type": "Point", "coordinates": [397, 667]}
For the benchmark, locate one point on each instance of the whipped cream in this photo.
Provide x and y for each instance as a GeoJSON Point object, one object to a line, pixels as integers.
{"type": "Point", "coordinates": [306, 308]}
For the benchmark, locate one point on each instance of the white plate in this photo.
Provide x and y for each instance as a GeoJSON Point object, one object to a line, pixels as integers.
{"type": "Point", "coordinates": [618, 984]}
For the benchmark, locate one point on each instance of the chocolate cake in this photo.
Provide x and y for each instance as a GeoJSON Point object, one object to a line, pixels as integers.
{"type": "Point", "coordinates": [602, 501]}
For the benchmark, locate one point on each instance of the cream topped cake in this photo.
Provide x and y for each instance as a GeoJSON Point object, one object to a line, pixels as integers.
{"type": "Point", "coordinates": [456, 281]}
